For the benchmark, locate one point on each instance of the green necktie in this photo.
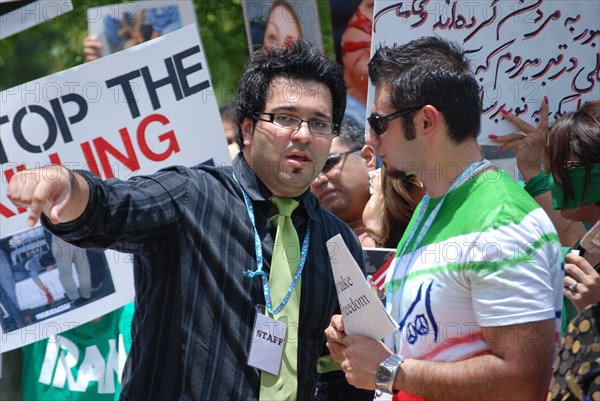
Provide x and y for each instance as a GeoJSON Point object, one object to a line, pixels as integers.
{"type": "Point", "coordinates": [284, 265]}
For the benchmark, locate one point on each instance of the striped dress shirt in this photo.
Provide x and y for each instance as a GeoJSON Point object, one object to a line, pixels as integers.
{"type": "Point", "coordinates": [191, 238]}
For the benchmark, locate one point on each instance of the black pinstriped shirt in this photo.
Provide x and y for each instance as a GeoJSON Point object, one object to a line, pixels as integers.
{"type": "Point", "coordinates": [191, 237]}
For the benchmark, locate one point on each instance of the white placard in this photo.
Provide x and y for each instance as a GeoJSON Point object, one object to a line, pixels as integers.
{"type": "Point", "coordinates": [126, 114]}
{"type": "Point", "coordinates": [521, 51]}
{"type": "Point", "coordinates": [363, 312]}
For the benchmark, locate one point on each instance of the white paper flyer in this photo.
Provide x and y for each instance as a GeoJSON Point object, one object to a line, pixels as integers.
{"type": "Point", "coordinates": [363, 312]}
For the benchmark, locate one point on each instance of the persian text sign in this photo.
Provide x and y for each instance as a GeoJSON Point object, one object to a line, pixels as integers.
{"type": "Point", "coordinates": [521, 51]}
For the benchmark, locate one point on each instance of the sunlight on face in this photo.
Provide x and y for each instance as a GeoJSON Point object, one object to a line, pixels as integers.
{"type": "Point", "coordinates": [286, 160]}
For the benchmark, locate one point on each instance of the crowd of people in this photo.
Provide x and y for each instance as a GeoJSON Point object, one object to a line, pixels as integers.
{"type": "Point", "coordinates": [494, 294]}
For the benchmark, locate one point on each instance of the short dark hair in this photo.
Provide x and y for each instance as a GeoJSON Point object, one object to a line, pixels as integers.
{"type": "Point", "coordinates": [299, 60]}
{"type": "Point", "coordinates": [352, 134]}
{"type": "Point", "coordinates": [435, 71]}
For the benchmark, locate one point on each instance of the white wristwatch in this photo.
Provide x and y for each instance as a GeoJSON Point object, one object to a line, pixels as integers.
{"type": "Point", "coordinates": [386, 373]}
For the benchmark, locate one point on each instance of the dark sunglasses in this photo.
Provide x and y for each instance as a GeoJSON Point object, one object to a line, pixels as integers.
{"type": "Point", "coordinates": [569, 164]}
{"type": "Point", "coordinates": [334, 158]}
{"type": "Point", "coordinates": [379, 123]}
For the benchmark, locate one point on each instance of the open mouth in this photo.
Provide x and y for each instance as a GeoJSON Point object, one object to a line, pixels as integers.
{"type": "Point", "coordinates": [300, 159]}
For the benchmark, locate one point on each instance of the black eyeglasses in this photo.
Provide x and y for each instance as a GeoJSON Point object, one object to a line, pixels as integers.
{"type": "Point", "coordinates": [573, 163]}
{"type": "Point", "coordinates": [379, 123]}
{"type": "Point", "coordinates": [334, 158]}
{"type": "Point", "coordinates": [324, 128]}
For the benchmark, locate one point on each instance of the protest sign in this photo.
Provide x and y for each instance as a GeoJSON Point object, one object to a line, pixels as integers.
{"type": "Point", "coordinates": [17, 16]}
{"type": "Point", "coordinates": [363, 311]}
{"type": "Point", "coordinates": [520, 51]}
{"type": "Point", "coordinates": [121, 26]}
{"type": "Point", "coordinates": [129, 113]}
{"type": "Point", "coordinates": [270, 22]}
{"type": "Point", "coordinates": [352, 25]}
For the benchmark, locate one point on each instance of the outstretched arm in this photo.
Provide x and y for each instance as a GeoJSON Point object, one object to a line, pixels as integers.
{"type": "Point", "coordinates": [53, 190]}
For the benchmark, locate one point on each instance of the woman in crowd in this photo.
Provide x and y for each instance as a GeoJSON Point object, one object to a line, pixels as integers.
{"type": "Point", "coordinates": [390, 208]}
{"type": "Point", "coordinates": [573, 157]}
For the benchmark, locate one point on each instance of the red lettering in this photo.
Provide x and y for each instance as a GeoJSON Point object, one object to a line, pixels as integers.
{"type": "Point", "coordinates": [6, 212]}
{"type": "Point", "coordinates": [89, 158]}
{"type": "Point", "coordinates": [103, 147]}
{"type": "Point", "coordinates": [167, 136]}
{"type": "Point", "coordinates": [54, 159]}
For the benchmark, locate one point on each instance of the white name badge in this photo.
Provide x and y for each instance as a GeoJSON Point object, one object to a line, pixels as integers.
{"type": "Point", "coordinates": [268, 339]}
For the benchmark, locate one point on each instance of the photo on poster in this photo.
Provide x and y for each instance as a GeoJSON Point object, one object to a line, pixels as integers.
{"type": "Point", "coordinates": [351, 23]}
{"type": "Point", "coordinates": [276, 22]}
{"type": "Point", "coordinates": [375, 258]}
{"type": "Point", "coordinates": [43, 276]}
{"type": "Point", "coordinates": [121, 26]}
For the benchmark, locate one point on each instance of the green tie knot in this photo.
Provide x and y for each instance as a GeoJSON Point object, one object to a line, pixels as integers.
{"type": "Point", "coordinates": [285, 206]}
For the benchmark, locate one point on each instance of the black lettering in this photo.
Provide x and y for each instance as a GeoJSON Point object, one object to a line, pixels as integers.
{"type": "Point", "coordinates": [18, 132]}
{"type": "Point", "coordinates": [3, 157]}
{"type": "Point", "coordinates": [183, 72]}
{"type": "Point", "coordinates": [124, 82]}
{"type": "Point", "coordinates": [60, 115]}
{"type": "Point", "coordinates": [344, 283]}
{"type": "Point", "coordinates": [170, 79]}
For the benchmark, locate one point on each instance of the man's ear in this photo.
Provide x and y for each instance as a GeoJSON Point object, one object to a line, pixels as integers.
{"type": "Point", "coordinates": [428, 120]}
{"type": "Point", "coordinates": [247, 128]}
{"type": "Point", "coordinates": [368, 155]}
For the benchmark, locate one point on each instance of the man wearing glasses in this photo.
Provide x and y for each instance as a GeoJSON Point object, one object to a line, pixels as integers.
{"type": "Point", "coordinates": [343, 185]}
{"type": "Point", "coordinates": [476, 285]}
{"type": "Point", "coordinates": [207, 253]}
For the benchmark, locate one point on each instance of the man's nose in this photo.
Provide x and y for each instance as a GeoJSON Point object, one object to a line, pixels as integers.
{"type": "Point", "coordinates": [319, 179]}
{"type": "Point", "coordinates": [302, 133]}
{"type": "Point", "coordinates": [371, 138]}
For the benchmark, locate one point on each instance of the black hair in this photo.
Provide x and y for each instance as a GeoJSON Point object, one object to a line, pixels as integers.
{"type": "Point", "coordinates": [300, 60]}
{"type": "Point", "coordinates": [430, 70]}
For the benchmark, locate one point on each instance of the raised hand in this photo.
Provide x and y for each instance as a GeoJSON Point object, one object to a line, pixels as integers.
{"type": "Point", "coordinates": [582, 282]}
{"type": "Point", "coordinates": [528, 142]}
{"type": "Point", "coordinates": [91, 48]}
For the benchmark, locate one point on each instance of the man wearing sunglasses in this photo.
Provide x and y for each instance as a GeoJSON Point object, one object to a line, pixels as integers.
{"type": "Point", "coordinates": [205, 241]}
{"type": "Point", "coordinates": [342, 187]}
{"type": "Point", "coordinates": [474, 324]}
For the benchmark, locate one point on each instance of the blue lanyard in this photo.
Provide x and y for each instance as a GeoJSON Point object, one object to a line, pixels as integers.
{"type": "Point", "coordinates": [259, 259]}
{"type": "Point", "coordinates": [471, 171]}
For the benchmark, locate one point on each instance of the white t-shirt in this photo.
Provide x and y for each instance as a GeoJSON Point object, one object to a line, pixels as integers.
{"type": "Point", "coordinates": [490, 258]}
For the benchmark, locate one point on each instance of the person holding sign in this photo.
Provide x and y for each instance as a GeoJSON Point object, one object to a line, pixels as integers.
{"type": "Point", "coordinates": [476, 284]}
{"type": "Point", "coordinates": [233, 279]}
